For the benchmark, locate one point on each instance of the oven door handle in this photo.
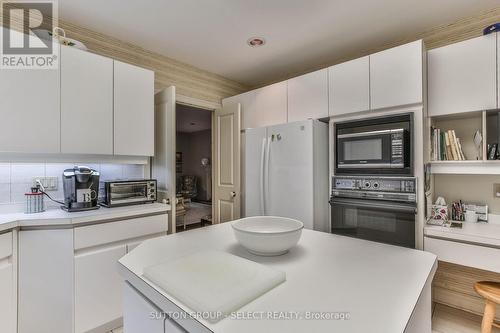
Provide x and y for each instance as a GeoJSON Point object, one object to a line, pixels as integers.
{"type": "Point", "coordinates": [392, 206]}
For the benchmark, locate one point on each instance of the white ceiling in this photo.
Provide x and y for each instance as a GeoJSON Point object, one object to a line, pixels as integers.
{"type": "Point", "coordinates": [300, 34]}
{"type": "Point", "coordinates": [189, 119]}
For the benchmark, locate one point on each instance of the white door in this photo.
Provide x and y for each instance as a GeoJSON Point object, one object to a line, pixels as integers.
{"type": "Point", "coordinates": [98, 288]}
{"type": "Point", "coordinates": [86, 103]}
{"type": "Point", "coordinates": [308, 96]}
{"type": "Point", "coordinates": [29, 110]}
{"type": "Point", "coordinates": [396, 76]}
{"type": "Point", "coordinates": [163, 162]}
{"type": "Point", "coordinates": [289, 181]}
{"type": "Point", "coordinates": [349, 86]}
{"type": "Point", "coordinates": [253, 171]}
{"type": "Point", "coordinates": [227, 198]}
{"type": "Point", "coordinates": [462, 76]}
{"type": "Point", "coordinates": [133, 110]}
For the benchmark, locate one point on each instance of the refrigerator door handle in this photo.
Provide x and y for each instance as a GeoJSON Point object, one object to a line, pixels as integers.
{"type": "Point", "coordinates": [261, 175]}
{"type": "Point", "coordinates": [266, 174]}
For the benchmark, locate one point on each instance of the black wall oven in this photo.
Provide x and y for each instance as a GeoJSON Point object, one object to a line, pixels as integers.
{"type": "Point", "coordinates": [374, 146]}
{"type": "Point", "coordinates": [375, 208]}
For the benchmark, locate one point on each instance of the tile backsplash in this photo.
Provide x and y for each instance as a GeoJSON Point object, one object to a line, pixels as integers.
{"type": "Point", "coordinates": [16, 178]}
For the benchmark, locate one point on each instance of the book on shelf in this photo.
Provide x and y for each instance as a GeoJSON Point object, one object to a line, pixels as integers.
{"type": "Point", "coordinates": [446, 146]}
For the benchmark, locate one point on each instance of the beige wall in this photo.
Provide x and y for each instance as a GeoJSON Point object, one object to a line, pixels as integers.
{"type": "Point", "coordinates": [473, 188]}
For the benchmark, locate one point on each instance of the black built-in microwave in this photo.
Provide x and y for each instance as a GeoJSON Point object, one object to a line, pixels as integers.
{"type": "Point", "coordinates": [375, 146]}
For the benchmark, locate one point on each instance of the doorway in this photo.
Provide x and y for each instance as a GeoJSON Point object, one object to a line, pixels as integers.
{"type": "Point", "coordinates": [193, 167]}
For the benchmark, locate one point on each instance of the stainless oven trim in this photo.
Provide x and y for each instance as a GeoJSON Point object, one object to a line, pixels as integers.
{"type": "Point", "coordinates": [371, 166]}
{"type": "Point", "coordinates": [392, 206]}
{"type": "Point", "coordinates": [372, 133]}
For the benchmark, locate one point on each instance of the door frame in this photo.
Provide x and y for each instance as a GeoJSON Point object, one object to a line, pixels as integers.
{"type": "Point", "coordinates": [208, 106]}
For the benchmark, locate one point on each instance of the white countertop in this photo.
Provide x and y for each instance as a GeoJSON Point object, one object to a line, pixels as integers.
{"type": "Point", "coordinates": [55, 216]}
{"type": "Point", "coordinates": [377, 284]}
{"type": "Point", "coordinates": [481, 233]}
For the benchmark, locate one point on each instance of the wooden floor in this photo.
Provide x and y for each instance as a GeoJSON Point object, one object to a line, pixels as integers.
{"type": "Point", "coordinates": [444, 320]}
{"type": "Point", "coordinates": [450, 320]}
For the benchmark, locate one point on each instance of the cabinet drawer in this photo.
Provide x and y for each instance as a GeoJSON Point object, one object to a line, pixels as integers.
{"type": "Point", "coordinates": [5, 245]}
{"type": "Point", "coordinates": [99, 234]}
{"type": "Point", "coordinates": [464, 254]}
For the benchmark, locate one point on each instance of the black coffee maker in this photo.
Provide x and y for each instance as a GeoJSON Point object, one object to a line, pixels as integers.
{"type": "Point", "coordinates": [81, 189]}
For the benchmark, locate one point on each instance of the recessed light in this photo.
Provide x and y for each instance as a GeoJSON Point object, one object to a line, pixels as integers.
{"type": "Point", "coordinates": [256, 41]}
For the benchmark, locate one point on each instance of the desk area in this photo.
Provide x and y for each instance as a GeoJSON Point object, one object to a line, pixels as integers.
{"type": "Point", "coordinates": [465, 255]}
{"type": "Point", "coordinates": [475, 244]}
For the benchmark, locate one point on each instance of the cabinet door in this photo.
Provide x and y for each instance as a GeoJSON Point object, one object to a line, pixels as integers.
{"type": "Point", "coordinates": [7, 291]}
{"type": "Point", "coordinates": [133, 110]}
{"type": "Point", "coordinates": [308, 96]}
{"type": "Point", "coordinates": [30, 111]}
{"type": "Point", "coordinates": [462, 76]}
{"type": "Point", "coordinates": [349, 86]}
{"type": "Point", "coordinates": [86, 102]}
{"type": "Point", "coordinates": [7, 314]}
{"type": "Point", "coordinates": [270, 106]}
{"type": "Point", "coordinates": [396, 76]}
{"type": "Point", "coordinates": [248, 103]}
{"type": "Point", "coordinates": [46, 281]}
{"type": "Point", "coordinates": [98, 288]}
{"type": "Point", "coordinates": [137, 312]}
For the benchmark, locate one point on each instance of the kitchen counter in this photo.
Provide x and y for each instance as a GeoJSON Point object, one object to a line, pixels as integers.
{"type": "Point", "coordinates": [55, 216]}
{"type": "Point", "coordinates": [485, 234]}
{"type": "Point", "coordinates": [383, 288]}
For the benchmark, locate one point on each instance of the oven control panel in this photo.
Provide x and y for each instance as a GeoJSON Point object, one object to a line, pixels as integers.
{"type": "Point", "coordinates": [381, 188]}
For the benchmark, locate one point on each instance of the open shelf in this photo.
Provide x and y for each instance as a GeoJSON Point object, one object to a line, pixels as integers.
{"type": "Point", "coordinates": [465, 126]}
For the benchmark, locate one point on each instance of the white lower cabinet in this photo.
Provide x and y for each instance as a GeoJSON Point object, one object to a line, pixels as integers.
{"type": "Point", "coordinates": [140, 315]}
{"type": "Point", "coordinates": [7, 285]}
{"type": "Point", "coordinates": [68, 279]}
{"type": "Point", "coordinates": [98, 289]}
{"type": "Point", "coordinates": [46, 281]}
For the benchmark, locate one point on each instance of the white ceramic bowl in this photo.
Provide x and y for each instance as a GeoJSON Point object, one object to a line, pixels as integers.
{"type": "Point", "coordinates": [267, 235]}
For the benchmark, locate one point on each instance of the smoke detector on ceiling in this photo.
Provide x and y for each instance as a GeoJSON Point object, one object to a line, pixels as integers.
{"type": "Point", "coordinates": [256, 41]}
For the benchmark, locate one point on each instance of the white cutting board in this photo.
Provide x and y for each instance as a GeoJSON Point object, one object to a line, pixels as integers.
{"type": "Point", "coordinates": [213, 281]}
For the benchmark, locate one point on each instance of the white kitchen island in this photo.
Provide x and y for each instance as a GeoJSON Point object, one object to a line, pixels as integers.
{"type": "Point", "coordinates": [375, 287]}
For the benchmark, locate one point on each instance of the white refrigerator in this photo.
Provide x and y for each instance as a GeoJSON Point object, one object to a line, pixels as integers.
{"type": "Point", "coordinates": [285, 172]}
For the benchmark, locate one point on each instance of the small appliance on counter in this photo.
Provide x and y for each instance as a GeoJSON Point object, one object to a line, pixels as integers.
{"type": "Point", "coordinates": [81, 188]}
{"type": "Point", "coordinates": [127, 192]}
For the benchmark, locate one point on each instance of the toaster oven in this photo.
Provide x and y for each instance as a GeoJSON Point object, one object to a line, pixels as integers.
{"type": "Point", "coordinates": [127, 192]}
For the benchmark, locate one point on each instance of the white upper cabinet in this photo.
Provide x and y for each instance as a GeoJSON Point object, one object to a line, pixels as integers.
{"type": "Point", "coordinates": [462, 76]}
{"type": "Point", "coordinates": [29, 109]}
{"type": "Point", "coordinates": [247, 102]}
{"type": "Point", "coordinates": [133, 110]}
{"type": "Point", "coordinates": [270, 106]}
{"type": "Point", "coordinates": [308, 96]}
{"type": "Point", "coordinates": [86, 103]}
{"type": "Point", "coordinates": [349, 86]}
{"type": "Point", "coordinates": [396, 76]}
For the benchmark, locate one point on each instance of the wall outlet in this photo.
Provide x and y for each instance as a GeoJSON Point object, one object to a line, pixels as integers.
{"type": "Point", "coordinates": [50, 183]}
{"type": "Point", "coordinates": [496, 190]}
